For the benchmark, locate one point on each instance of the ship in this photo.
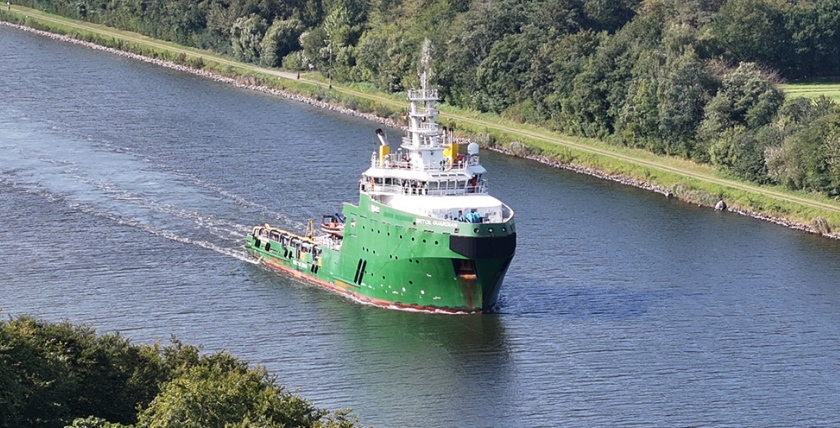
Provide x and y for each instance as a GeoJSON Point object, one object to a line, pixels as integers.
{"type": "Point", "coordinates": [425, 235]}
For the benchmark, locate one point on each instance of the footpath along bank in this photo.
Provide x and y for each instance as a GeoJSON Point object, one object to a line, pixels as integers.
{"type": "Point", "coordinates": [644, 171]}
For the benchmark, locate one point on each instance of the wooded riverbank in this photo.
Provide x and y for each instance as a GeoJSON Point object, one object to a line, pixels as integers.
{"type": "Point", "coordinates": [645, 171]}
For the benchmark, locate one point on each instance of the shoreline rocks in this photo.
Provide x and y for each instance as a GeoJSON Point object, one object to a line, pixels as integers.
{"type": "Point", "coordinates": [388, 122]}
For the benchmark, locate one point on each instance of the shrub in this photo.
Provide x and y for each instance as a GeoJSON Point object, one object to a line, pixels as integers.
{"type": "Point", "coordinates": [820, 225]}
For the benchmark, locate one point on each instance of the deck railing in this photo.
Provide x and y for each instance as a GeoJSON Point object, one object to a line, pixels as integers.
{"type": "Point", "coordinates": [393, 161]}
{"type": "Point", "coordinates": [422, 94]}
{"type": "Point", "coordinates": [393, 189]}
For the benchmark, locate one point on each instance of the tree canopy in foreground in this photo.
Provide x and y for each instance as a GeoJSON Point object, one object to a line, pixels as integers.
{"type": "Point", "coordinates": [59, 374]}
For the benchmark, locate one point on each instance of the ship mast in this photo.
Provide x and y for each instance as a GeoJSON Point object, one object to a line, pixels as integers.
{"type": "Point", "coordinates": [423, 139]}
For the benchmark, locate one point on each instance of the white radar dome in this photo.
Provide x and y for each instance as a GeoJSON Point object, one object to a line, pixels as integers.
{"type": "Point", "coordinates": [472, 148]}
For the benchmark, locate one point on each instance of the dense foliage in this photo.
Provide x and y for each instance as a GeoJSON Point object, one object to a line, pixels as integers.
{"type": "Point", "coordinates": [55, 375]}
{"type": "Point", "coordinates": [690, 78]}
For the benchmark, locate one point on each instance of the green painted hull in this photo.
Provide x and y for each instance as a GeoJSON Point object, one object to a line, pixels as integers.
{"type": "Point", "coordinates": [393, 259]}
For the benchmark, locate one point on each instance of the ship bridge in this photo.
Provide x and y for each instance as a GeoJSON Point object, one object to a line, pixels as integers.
{"type": "Point", "coordinates": [427, 163]}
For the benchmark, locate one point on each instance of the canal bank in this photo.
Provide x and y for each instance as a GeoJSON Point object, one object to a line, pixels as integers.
{"type": "Point", "coordinates": [692, 183]}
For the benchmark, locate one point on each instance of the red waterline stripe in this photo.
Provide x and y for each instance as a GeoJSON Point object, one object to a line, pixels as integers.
{"type": "Point", "coordinates": [358, 297]}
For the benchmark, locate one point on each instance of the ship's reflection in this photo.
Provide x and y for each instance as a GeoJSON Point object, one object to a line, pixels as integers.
{"type": "Point", "coordinates": [415, 362]}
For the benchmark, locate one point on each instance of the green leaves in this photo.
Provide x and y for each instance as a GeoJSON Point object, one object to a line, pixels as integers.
{"type": "Point", "coordinates": [281, 39]}
{"type": "Point", "coordinates": [246, 36]}
{"type": "Point", "coordinates": [54, 375]}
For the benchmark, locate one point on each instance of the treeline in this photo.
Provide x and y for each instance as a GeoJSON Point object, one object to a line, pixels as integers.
{"type": "Point", "coordinates": [689, 78]}
{"type": "Point", "coordinates": [57, 375]}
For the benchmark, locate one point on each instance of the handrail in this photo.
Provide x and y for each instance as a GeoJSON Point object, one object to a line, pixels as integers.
{"type": "Point", "coordinates": [424, 112]}
{"type": "Point", "coordinates": [425, 127]}
{"type": "Point", "coordinates": [422, 94]}
{"type": "Point", "coordinates": [393, 189]}
{"type": "Point", "coordinates": [393, 162]}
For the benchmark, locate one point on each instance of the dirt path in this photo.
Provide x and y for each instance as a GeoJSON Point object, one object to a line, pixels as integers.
{"type": "Point", "coordinates": [539, 135]}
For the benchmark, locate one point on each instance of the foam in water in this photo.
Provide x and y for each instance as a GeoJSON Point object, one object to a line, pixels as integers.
{"type": "Point", "coordinates": [110, 182]}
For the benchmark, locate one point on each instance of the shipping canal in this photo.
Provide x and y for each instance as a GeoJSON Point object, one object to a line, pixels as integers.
{"type": "Point", "coordinates": [126, 191]}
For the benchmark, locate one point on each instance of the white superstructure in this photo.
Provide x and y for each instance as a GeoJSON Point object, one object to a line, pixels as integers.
{"type": "Point", "coordinates": [426, 175]}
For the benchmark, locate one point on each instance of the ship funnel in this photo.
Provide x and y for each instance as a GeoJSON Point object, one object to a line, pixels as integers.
{"type": "Point", "coordinates": [381, 135]}
{"type": "Point", "coordinates": [384, 148]}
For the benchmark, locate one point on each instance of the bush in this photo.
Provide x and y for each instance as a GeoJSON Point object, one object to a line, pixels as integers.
{"type": "Point", "coordinates": [295, 61]}
{"type": "Point", "coordinates": [820, 225]}
{"type": "Point", "coordinates": [518, 149]}
{"type": "Point", "coordinates": [686, 192]}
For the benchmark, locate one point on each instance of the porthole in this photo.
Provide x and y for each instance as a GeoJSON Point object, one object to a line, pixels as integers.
{"type": "Point", "coordinates": [475, 230]}
{"type": "Point", "coordinates": [424, 241]}
{"type": "Point", "coordinates": [436, 242]}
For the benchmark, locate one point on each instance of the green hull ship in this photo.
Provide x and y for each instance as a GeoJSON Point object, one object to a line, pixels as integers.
{"type": "Point", "coordinates": [424, 236]}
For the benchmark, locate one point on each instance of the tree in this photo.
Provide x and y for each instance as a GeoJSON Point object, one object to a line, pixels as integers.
{"type": "Point", "coordinates": [503, 74]}
{"type": "Point", "coordinates": [281, 39]}
{"type": "Point", "coordinates": [752, 31]}
{"type": "Point", "coordinates": [54, 375]}
{"type": "Point", "coordinates": [58, 372]}
{"type": "Point", "coordinates": [479, 29]}
{"type": "Point", "coordinates": [222, 391]}
{"type": "Point", "coordinates": [683, 92]}
{"type": "Point", "coordinates": [246, 35]}
{"type": "Point", "coordinates": [815, 39]}
{"type": "Point", "coordinates": [747, 97]}
{"type": "Point", "coordinates": [609, 15]}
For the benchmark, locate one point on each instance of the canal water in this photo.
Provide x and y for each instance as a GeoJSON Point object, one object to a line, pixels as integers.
{"type": "Point", "coordinates": [126, 191]}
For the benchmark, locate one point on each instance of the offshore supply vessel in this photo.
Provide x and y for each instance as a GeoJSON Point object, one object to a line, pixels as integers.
{"type": "Point", "coordinates": [425, 234]}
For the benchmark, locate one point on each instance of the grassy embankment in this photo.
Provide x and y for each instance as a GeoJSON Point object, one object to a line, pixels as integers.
{"type": "Point", "coordinates": [813, 90]}
{"type": "Point", "coordinates": [691, 182]}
